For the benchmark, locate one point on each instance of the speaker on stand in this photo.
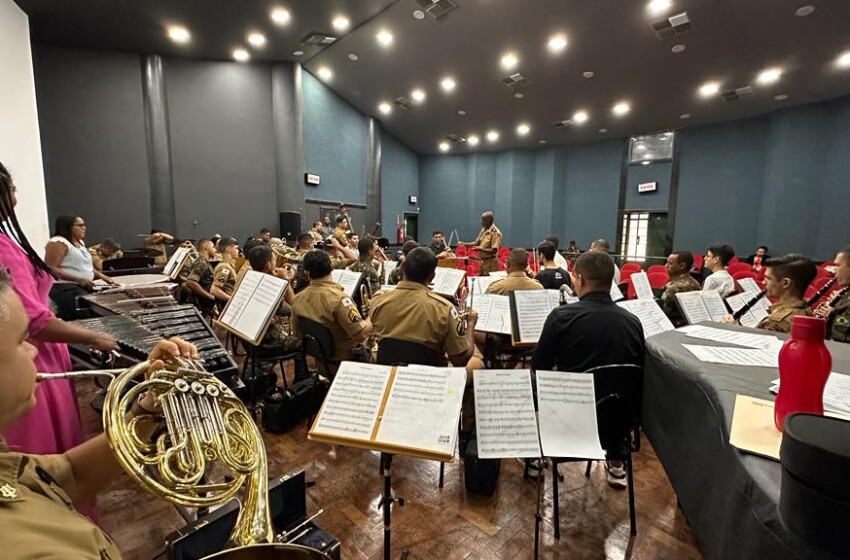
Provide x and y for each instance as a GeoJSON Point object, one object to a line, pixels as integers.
{"type": "Point", "coordinates": [290, 226]}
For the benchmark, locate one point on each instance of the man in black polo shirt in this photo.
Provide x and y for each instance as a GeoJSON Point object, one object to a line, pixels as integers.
{"type": "Point", "coordinates": [551, 275]}
{"type": "Point", "coordinates": [593, 332]}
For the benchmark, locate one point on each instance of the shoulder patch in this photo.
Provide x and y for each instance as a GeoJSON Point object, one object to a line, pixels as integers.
{"type": "Point", "coordinates": [454, 312]}
{"type": "Point", "coordinates": [346, 301]}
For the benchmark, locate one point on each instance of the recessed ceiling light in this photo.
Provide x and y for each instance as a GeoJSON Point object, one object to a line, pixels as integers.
{"type": "Point", "coordinates": [492, 136]}
{"type": "Point", "coordinates": [658, 7]}
{"type": "Point", "coordinates": [385, 108]}
{"type": "Point", "coordinates": [541, 141]}
{"type": "Point", "coordinates": [843, 60]}
{"type": "Point", "coordinates": [769, 76]}
{"type": "Point", "coordinates": [781, 97]}
{"type": "Point", "coordinates": [241, 55]}
{"type": "Point", "coordinates": [384, 37]}
{"type": "Point", "coordinates": [462, 113]}
{"type": "Point", "coordinates": [640, 148]}
{"type": "Point", "coordinates": [179, 34]}
{"type": "Point", "coordinates": [341, 23]}
{"type": "Point", "coordinates": [444, 146]}
{"type": "Point", "coordinates": [685, 116]}
{"type": "Point", "coordinates": [523, 129]}
{"type": "Point", "coordinates": [588, 74]}
{"type": "Point", "coordinates": [473, 140]}
{"type": "Point", "coordinates": [678, 49]}
{"type": "Point", "coordinates": [804, 11]}
{"type": "Point", "coordinates": [645, 163]}
{"type": "Point", "coordinates": [603, 130]}
{"type": "Point", "coordinates": [509, 61]}
{"type": "Point", "coordinates": [621, 108]}
{"type": "Point", "coordinates": [519, 95]}
{"type": "Point", "coordinates": [353, 57]}
{"type": "Point", "coordinates": [297, 53]}
{"type": "Point", "coordinates": [557, 43]}
{"type": "Point", "coordinates": [580, 117]}
{"type": "Point", "coordinates": [419, 14]}
{"type": "Point", "coordinates": [281, 16]}
{"type": "Point", "coordinates": [257, 40]}
{"type": "Point", "coordinates": [709, 89]}
{"type": "Point", "coordinates": [325, 73]}
{"type": "Point", "coordinates": [448, 84]}
{"type": "Point", "coordinates": [418, 95]}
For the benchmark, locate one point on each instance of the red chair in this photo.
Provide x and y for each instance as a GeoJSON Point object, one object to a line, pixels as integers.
{"type": "Point", "coordinates": [822, 272]}
{"type": "Point", "coordinates": [734, 268]}
{"type": "Point", "coordinates": [626, 274]}
{"type": "Point", "coordinates": [658, 279]}
{"type": "Point", "coordinates": [461, 264]}
{"type": "Point", "coordinates": [816, 285]}
{"type": "Point", "coordinates": [656, 268]}
{"type": "Point", "coordinates": [697, 261]}
{"type": "Point", "coordinates": [743, 274]}
{"type": "Point", "coordinates": [502, 253]}
{"type": "Point", "coordinates": [473, 268]}
{"type": "Point", "coordinates": [633, 266]}
{"type": "Point", "coordinates": [630, 290]}
{"type": "Point", "coordinates": [734, 260]}
{"type": "Point", "coordinates": [461, 251]}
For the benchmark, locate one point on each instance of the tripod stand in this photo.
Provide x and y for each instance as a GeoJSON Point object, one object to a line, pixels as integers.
{"type": "Point", "coordinates": [387, 501]}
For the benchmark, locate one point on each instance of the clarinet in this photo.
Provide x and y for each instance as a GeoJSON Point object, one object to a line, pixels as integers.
{"type": "Point", "coordinates": [820, 293]}
{"type": "Point", "coordinates": [838, 295]}
{"type": "Point", "coordinates": [749, 305]}
{"type": "Point", "coordinates": [821, 310]}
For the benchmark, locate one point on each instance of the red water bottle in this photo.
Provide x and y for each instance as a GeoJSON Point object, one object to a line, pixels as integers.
{"type": "Point", "coordinates": [804, 366]}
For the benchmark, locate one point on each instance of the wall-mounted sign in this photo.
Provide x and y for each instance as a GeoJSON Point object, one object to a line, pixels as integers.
{"type": "Point", "coordinates": [312, 179]}
{"type": "Point", "coordinates": [412, 199]}
{"type": "Point", "coordinates": [647, 187]}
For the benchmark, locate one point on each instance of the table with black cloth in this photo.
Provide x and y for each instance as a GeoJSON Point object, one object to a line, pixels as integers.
{"type": "Point", "coordinates": [729, 497]}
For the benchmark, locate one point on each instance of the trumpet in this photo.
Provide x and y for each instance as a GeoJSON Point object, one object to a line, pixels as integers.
{"type": "Point", "coordinates": [464, 305]}
{"type": "Point", "coordinates": [563, 293]}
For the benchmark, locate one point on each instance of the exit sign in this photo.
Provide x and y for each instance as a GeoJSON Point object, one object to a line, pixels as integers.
{"type": "Point", "coordinates": [647, 187]}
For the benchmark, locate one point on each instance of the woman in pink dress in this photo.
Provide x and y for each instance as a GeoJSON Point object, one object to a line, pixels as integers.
{"type": "Point", "coordinates": [53, 426]}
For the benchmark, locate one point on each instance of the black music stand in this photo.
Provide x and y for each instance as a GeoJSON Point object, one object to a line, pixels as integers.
{"type": "Point", "coordinates": [387, 501]}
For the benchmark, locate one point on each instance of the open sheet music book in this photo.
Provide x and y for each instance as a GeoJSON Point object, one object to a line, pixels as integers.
{"type": "Point", "coordinates": [254, 302]}
{"type": "Point", "coordinates": [348, 279]}
{"type": "Point", "coordinates": [701, 306]}
{"type": "Point", "coordinates": [447, 281]}
{"type": "Point", "coordinates": [653, 320]}
{"type": "Point", "coordinates": [175, 263]}
{"type": "Point", "coordinates": [643, 289]}
{"type": "Point", "coordinates": [749, 286]}
{"type": "Point", "coordinates": [494, 313]}
{"type": "Point", "coordinates": [507, 425]}
{"type": "Point", "coordinates": [479, 284]}
{"type": "Point", "coordinates": [411, 410]}
{"type": "Point", "coordinates": [529, 309]}
{"type": "Point", "coordinates": [389, 266]}
{"type": "Point", "coordinates": [755, 314]}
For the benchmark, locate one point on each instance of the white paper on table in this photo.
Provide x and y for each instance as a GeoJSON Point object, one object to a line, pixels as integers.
{"type": "Point", "coordinates": [757, 357]}
{"type": "Point", "coordinates": [532, 309]}
{"type": "Point", "coordinates": [567, 415]}
{"type": "Point", "coordinates": [447, 281]}
{"type": "Point", "coordinates": [389, 266]}
{"type": "Point", "coordinates": [347, 279]}
{"type": "Point", "coordinates": [653, 320]}
{"type": "Point", "coordinates": [642, 287]}
{"type": "Point", "coordinates": [140, 279]}
{"type": "Point", "coordinates": [494, 313]}
{"type": "Point", "coordinates": [616, 293]}
{"type": "Point", "coordinates": [836, 393]}
{"type": "Point", "coordinates": [505, 422]}
{"type": "Point", "coordinates": [478, 284]}
{"type": "Point", "coordinates": [750, 340]}
{"type": "Point", "coordinates": [255, 299]}
{"type": "Point", "coordinates": [351, 406]}
{"type": "Point", "coordinates": [423, 408]}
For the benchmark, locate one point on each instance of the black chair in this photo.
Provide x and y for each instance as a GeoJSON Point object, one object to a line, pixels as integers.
{"type": "Point", "coordinates": [264, 358]}
{"type": "Point", "coordinates": [618, 390]}
{"type": "Point", "coordinates": [127, 262]}
{"type": "Point", "coordinates": [316, 341]}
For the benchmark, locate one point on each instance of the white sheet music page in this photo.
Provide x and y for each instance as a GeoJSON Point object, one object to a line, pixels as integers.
{"type": "Point", "coordinates": [749, 286]}
{"type": "Point", "coordinates": [389, 266]}
{"type": "Point", "coordinates": [479, 284]}
{"type": "Point", "coordinates": [760, 357]}
{"type": "Point", "coordinates": [348, 279]}
{"type": "Point", "coordinates": [653, 320]}
{"type": "Point", "coordinates": [172, 267]}
{"type": "Point", "coordinates": [505, 421]}
{"type": "Point", "coordinates": [616, 293]}
{"type": "Point", "coordinates": [693, 307]}
{"type": "Point", "coordinates": [738, 301]}
{"type": "Point", "coordinates": [714, 304]}
{"type": "Point", "coordinates": [642, 287]}
{"type": "Point", "coordinates": [567, 415]}
{"type": "Point", "coordinates": [532, 308]}
{"type": "Point", "coordinates": [423, 408]}
{"type": "Point", "coordinates": [254, 300]}
{"type": "Point", "coordinates": [750, 340]}
{"type": "Point", "coordinates": [497, 274]}
{"type": "Point", "coordinates": [353, 401]}
{"type": "Point", "coordinates": [494, 313]}
{"type": "Point", "coordinates": [447, 281]}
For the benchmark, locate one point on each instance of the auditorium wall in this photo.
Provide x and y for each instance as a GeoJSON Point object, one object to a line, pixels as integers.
{"type": "Point", "coordinates": [399, 180]}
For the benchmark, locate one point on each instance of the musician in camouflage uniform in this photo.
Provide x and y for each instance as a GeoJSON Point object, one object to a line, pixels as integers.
{"type": "Point", "coordinates": [678, 267]}
{"type": "Point", "coordinates": [838, 322]}
{"type": "Point", "coordinates": [224, 275]}
{"type": "Point", "coordinates": [396, 275]}
{"type": "Point", "coordinates": [199, 280]}
{"type": "Point", "coordinates": [366, 248]}
{"type": "Point", "coordinates": [786, 280]}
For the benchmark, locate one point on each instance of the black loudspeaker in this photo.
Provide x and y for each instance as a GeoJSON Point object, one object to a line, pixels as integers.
{"type": "Point", "coordinates": [290, 226]}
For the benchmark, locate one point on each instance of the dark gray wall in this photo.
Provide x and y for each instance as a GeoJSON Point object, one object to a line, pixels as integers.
{"type": "Point", "coordinates": [657, 200]}
{"type": "Point", "coordinates": [399, 180]}
{"type": "Point", "coordinates": [93, 140]}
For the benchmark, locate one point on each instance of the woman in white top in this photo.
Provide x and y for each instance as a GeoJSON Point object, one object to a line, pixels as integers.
{"type": "Point", "coordinates": [71, 263]}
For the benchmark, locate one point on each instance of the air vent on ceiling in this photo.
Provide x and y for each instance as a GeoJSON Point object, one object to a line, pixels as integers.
{"type": "Point", "coordinates": [680, 24]}
{"type": "Point", "coordinates": [438, 9]}
{"type": "Point", "coordinates": [736, 94]}
{"type": "Point", "coordinates": [404, 103]}
{"type": "Point", "coordinates": [456, 138]}
{"type": "Point", "coordinates": [563, 125]}
{"type": "Point", "coordinates": [516, 81]}
{"type": "Point", "coordinates": [316, 39]}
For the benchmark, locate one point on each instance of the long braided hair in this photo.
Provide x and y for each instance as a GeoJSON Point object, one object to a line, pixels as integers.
{"type": "Point", "coordinates": [9, 222]}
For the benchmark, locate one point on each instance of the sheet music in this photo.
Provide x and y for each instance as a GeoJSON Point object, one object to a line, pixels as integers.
{"type": "Point", "coordinates": [479, 284]}
{"type": "Point", "coordinates": [254, 301]}
{"type": "Point", "coordinates": [654, 320]}
{"type": "Point", "coordinates": [447, 281]}
{"type": "Point", "coordinates": [506, 424]}
{"type": "Point", "coordinates": [532, 308]}
{"type": "Point", "coordinates": [353, 401]}
{"type": "Point", "coordinates": [567, 413]}
{"type": "Point", "coordinates": [749, 286]}
{"type": "Point", "coordinates": [423, 408]}
{"type": "Point", "coordinates": [738, 301]}
{"type": "Point", "coordinates": [554, 299]}
{"type": "Point", "coordinates": [642, 286]}
{"type": "Point", "coordinates": [836, 393]}
{"type": "Point", "coordinates": [714, 304]}
{"type": "Point", "coordinates": [498, 274]}
{"type": "Point", "coordinates": [348, 279]}
{"type": "Point", "coordinates": [172, 267]}
{"type": "Point", "coordinates": [494, 313]}
{"type": "Point", "coordinates": [616, 293]}
{"type": "Point", "coordinates": [693, 307]}
{"type": "Point", "coordinates": [760, 357]}
{"type": "Point", "coordinates": [749, 340]}
{"type": "Point", "coordinates": [389, 266]}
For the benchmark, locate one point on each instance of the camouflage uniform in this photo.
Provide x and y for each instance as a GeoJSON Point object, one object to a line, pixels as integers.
{"type": "Point", "coordinates": [201, 272]}
{"type": "Point", "coordinates": [838, 325]}
{"type": "Point", "coordinates": [682, 284]}
{"type": "Point", "coordinates": [780, 315]}
{"type": "Point", "coordinates": [369, 273]}
{"type": "Point", "coordinates": [395, 276]}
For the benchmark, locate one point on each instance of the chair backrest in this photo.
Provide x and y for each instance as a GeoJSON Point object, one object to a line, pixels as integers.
{"type": "Point", "coordinates": [316, 339]}
{"type": "Point", "coordinates": [461, 250]}
{"type": "Point", "coordinates": [392, 351]}
{"type": "Point", "coordinates": [633, 266]}
{"type": "Point", "coordinates": [656, 268]}
{"type": "Point", "coordinates": [619, 396]}
{"type": "Point", "coordinates": [503, 251]}
{"type": "Point", "coordinates": [738, 267]}
{"type": "Point", "coordinates": [658, 279]}
{"type": "Point", "coordinates": [734, 260]}
{"type": "Point", "coordinates": [625, 274]}
{"type": "Point", "coordinates": [631, 292]}
{"type": "Point", "coordinates": [697, 261]}
{"type": "Point", "coordinates": [816, 285]}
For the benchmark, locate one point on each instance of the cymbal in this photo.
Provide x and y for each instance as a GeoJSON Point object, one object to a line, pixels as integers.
{"type": "Point", "coordinates": [147, 251]}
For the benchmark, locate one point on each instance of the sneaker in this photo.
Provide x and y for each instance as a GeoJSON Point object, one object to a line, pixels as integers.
{"type": "Point", "coordinates": [616, 476]}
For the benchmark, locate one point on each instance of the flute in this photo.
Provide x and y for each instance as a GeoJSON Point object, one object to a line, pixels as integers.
{"type": "Point", "coordinates": [110, 373]}
{"type": "Point", "coordinates": [749, 305]}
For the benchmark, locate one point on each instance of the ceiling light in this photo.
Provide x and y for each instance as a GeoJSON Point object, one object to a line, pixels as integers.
{"type": "Point", "coordinates": [472, 140]}
{"type": "Point", "coordinates": [444, 146]}
{"type": "Point", "coordinates": [462, 113]}
{"type": "Point", "coordinates": [843, 60]}
{"type": "Point", "coordinates": [658, 7]}
{"type": "Point", "coordinates": [325, 73]}
{"type": "Point", "coordinates": [709, 89]}
{"type": "Point", "coordinates": [523, 129]}
{"type": "Point", "coordinates": [419, 14]}
{"type": "Point", "coordinates": [281, 16]}
{"type": "Point", "coordinates": [257, 39]}
{"type": "Point", "coordinates": [588, 75]}
{"type": "Point", "coordinates": [241, 55]}
{"type": "Point", "coordinates": [341, 23]}
{"type": "Point", "coordinates": [645, 162]}
{"type": "Point", "coordinates": [804, 11]}
{"type": "Point", "coordinates": [353, 57]}
{"type": "Point", "coordinates": [603, 130]}
{"type": "Point", "coordinates": [640, 147]}
{"type": "Point", "coordinates": [769, 76]}
{"type": "Point", "coordinates": [580, 117]}
{"type": "Point", "coordinates": [556, 43]}
{"type": "Point", "coordinates": [684, 116]}
{"type": "Point", "coordinates": [448, 85]}
{"type": "Point", "coordinates": [492, 136]}
{"type": "Point", "coordinates": [621, 108]}
{"type": "Point", "coordinates": [541, 141]}
{"type": "Point", "coordinates": [678, 49]}
{"type": "Point", "coordinates": [297, 53]}
{"type": "Point", "coordinates": [509, 61]}
{"type": "Point", "coordinates": [417, 95]}
{"type": "Point", "coordinates": [385, 38]}
{"type": "Point", "coordinates": [781, 97]}
{"type": "Point", "coordinates": [179, 34]}
{"type": "Point", "coordinates": [519, 95]}
{"type": "Point", "coordinates": [385, 108]}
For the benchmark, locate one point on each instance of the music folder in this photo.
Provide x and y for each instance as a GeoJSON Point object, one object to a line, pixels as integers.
{"type": "Point", "coordinates": [529, 310]}
{"type": "Point", "coordinates": [447, 281]}
{"type": "Point", "coordinates": [175, 263]}
{"type": "Point", "coordinates": [698, 306]}
{"type": "Point", "coordinates": [254, 302]}
{"type": "Point", "coordinates": [347, 279]}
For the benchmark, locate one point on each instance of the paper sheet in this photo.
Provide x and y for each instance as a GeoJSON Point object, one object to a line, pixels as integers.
{"type": "Point", "coordinates": [352, 403]}
{"type": "Point", "coordinates": [693, 307]}
{"type": "Point", "coordinates": [140, 279]}
{"type": "Point", "coordinates": [567, 413]}
{"type": "Point", "coordinates": [389, 266]}
{"type": "Point", "coordinates": [714, 303]}
{"type": "Point", "coordinates": [172, 267]}
{"type": "Point", "coordinates": [494, 313]}
{"type": "Point", "coordinates": [423, 408]}
{"type": "Point", "coordinates": [749, 286]}
{"type": "Point", "coordinates": [497, 274]}
{"type": "Point", "coordinates": [654, 320]}
{"type": "Point", "coordinates": [642, 287]}
{"type": "Point", "coordinates": [348, 279]}
{"type": "Point", "coordinates": [616, 293]}
{"type": "Point", "coordinates": [478, 284]}
{"type": "Point", "coordinates": [504, 413]}
{"type": "Point", "coordinates": [753, 429]}
{"type": "Point", "coordinates": [532, 307]}
{"type": "Point", "coordinates": [738, 301]}
{"type": "Point", "coordinates": [836, 393]}
{"type": "Point", "coordinates": [750, 340]}
{"type": "Point", "coordinates": [735, 356]}
{"type": "Point", "coordinates": [254, 301]}
{"type": "Point", "coordinates": [447, 281]}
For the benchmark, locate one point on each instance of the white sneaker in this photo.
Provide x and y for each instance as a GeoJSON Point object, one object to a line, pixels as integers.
{"type": "Point", "coordinates": [616, 476]}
